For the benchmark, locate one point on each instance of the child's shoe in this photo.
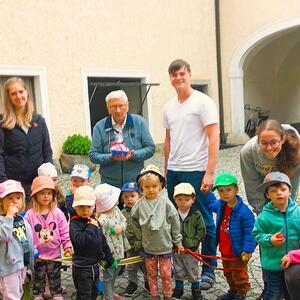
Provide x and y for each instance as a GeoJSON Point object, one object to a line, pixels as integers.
{"type": "Point", "coordinates": [177, 293]}
{"type": "Point", "coordinates": [196, 293]}
{"type": "Point", "coordinates": [118, 297]}
{"type": "Point", "coordinates": [57, 297]}
{"type": "Point", "coordinates": [131, 289]}
{"type": "Point", "coordinates": [230, 295]}
{"type": "Point", "coordinates": [38, 297]}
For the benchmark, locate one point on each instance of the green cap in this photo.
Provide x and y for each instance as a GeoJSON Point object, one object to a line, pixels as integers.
{"type": "Point", "coordinates": [225, 179]}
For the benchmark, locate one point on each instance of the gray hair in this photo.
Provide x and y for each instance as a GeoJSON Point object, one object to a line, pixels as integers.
{"type": "Point", "coordinates": [119, 94]}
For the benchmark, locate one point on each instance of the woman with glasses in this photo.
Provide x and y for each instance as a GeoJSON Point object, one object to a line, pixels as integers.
{"type": "Point", "coordinates": [276, 147]}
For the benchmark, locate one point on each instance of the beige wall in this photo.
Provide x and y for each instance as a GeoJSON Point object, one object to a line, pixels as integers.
{"type": "Point", "coordinates": [67, 37]}
{"type": "Point", "coordinates": [240, 21]}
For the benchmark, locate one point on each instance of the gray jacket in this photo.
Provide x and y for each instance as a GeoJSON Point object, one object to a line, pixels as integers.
{"type": "Point", "coordinates": [11, 250]}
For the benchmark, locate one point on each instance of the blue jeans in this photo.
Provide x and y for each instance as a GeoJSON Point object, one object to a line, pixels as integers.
{"type": "Point", "coordinates": [275, 288]}
{"type": "Point", "coordinates": [202, 203]}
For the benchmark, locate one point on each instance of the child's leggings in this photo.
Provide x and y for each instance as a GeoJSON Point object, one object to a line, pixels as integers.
{"type": "Point", "coordinates": [165, 269]}
{"type": "Point", "coordinates": [11, 286]}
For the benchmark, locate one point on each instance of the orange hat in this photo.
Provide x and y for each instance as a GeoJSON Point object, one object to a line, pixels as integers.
{"type": "Point", "coordinates": [41, 182]}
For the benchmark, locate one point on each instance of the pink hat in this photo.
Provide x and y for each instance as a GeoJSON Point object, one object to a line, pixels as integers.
{"type": "Point", "coordinates": [10, 186]}
{"type": "Point", "coordinates": [107, 197]}
{"type": "Point", "coordinates": [41, 182]}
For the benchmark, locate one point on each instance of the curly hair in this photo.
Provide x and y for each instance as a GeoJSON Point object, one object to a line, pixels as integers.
{"type": "Point", "coordinates": [289, 156]}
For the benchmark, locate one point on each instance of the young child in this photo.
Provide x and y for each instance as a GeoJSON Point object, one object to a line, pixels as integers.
{"type": "Point", "coordinates": [89, 244]}
{"type": "Point", "coordinates": [193, 231]}
{"type": "Point", "coordinates": [50, 230]}
{"type": "Point", "coordinates": [156, 224]}
{"type": "Point", "coordinates": [80, 175]}
{"type": "Point", "coordinates": [277, 231]}
{"type": "Point", "coordinates": [16, 245]}
{"type": "Point", "coordinates": [235, 222]}
{"type": "Point", "coordinates": [130, 194]}
{"type": "Point", "coordinates": [48, 169]}
{"type": "Point", "coordinates": [113, 225]}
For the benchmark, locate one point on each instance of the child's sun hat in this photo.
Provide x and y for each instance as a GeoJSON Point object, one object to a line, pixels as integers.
{"type": "Point", "coordinates": [107, 197]}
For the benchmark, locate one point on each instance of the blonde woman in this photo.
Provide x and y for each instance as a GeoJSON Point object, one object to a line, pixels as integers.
{"type": "Point", "coordinates": [24, 138]}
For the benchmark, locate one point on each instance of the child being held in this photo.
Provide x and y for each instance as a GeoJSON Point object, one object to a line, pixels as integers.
{"type": "Point", "coordinates": [80, 175]}
{"type": "Point", "coordinates": [113, 224]}
{"type": "Point", "coordinates": [130, 194]}
{"type": "Point", "coordinates": [50, 231]}
{"type": "Point", "coordinates": [235, 222]}
{"type": "Point", "coordinates": [89, 245]}
{"type": "Point", "coordinates": [277, 231]}
{"type": "Point", "coordinates": [156, 224]}
{"type": "Point", "coordinates": [16, 245]}
{"type": "Point", "coordinates": [193, 231]}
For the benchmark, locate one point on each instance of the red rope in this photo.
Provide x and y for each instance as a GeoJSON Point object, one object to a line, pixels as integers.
{"type": "Point", "coordinates": [199, 256]}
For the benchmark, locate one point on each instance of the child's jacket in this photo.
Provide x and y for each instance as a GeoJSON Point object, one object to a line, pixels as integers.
{"type": "Point", "coordinates": [50, 233]}
{"type": "Point", "coordinates": [11, 249]}
{"type": "Point", "coordinates": [89, 243]}
{"type": "Point", "coordinates": [240, 225]}
{"type": "Point", "coordinates": [192, 229]}
{"type": "Point", "coordinates": [158, 227]}
{"type": "Point", "coordinates": [270, 221]}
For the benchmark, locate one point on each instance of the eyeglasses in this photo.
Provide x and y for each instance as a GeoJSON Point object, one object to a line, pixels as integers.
{"type": "Point", "coordinates": [272, 143]}
{"type": "Point", "coordinates": [115, 107]}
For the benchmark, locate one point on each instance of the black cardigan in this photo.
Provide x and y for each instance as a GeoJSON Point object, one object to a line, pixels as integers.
{"type": "Point", "coordinates": [21, 154]}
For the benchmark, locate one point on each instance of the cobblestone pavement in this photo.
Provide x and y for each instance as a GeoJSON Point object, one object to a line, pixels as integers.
{"type": "Point", "coordinates": [228, 161]}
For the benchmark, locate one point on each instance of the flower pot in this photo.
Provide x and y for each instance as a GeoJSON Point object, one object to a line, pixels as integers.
{"type": "Point", "coordinates": [67, 161]}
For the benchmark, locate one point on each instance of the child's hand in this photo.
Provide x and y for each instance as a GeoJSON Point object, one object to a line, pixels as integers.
{"type": "Point", "coordinates": [285, 262]}
{"type": "Point", "coordinates": [72, 188]}
{"type": "Point", "coordinates": [246, 257]}
{"type": "Point", "coordinates": [68, 252]}
{"type": "Point", "coordinates": [93, 222]}
{"type": "Point", "coordinates": [277, 239]}
{"type": "Point", "coordinates": [180, 249]}
{"type": "Point", "coordinates": [116, 230]}
{"type": "Point", "coordinates": [12, 210]}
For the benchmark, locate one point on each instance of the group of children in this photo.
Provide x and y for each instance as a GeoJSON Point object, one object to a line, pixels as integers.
{"type": "Point", "coordinates": [167, 237]}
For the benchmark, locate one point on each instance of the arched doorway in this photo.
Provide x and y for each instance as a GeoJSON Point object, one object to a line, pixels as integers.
{"type": "Point", "coordinates": [264, 72]}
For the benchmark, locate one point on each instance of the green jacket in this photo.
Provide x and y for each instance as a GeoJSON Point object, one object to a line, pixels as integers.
{"type": "Point", "coordinates": [135, 244]}
{"type": "Point", "coordinates": [156, 224]}
{"type": "Point", "coordinates": [270, 221]}
{"type": "Point", "coordinates": [192, 229]}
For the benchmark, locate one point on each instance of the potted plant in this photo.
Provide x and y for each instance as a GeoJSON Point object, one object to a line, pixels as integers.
{"type": "Point", "coordinates": [75, 151]}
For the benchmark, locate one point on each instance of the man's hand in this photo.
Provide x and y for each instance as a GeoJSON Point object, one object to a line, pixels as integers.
{"type": "Point", "coordinates": [123, 157]}
{"type": "Point", "coordinates": [207, 182]}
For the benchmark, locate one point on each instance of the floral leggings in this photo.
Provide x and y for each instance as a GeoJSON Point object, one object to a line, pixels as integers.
{"type": "Point", "coordinates": [165, 269]}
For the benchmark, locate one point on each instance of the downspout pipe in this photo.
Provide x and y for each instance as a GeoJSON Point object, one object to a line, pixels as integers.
{"type": "Point", "coordinates": [219, 71]}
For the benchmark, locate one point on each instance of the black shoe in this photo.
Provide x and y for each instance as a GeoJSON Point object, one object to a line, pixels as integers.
{"type": "Point", "coordinates": [131, 289]}
{"type": "Point", "coordinates": [230, 295]}
{"type": "Point", "coordinates": [177, 293]}
{"type": "Point", "coordinates": [196, 293]}
{"type": "Point", "coordinates": [146, 287]}
{"type": "Point", "coordinates": [121, 270]}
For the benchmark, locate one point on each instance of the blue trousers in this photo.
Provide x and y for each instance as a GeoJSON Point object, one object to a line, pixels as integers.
{"type": "Point", "coordinates": [202, 203]}
{"type": "Point", "coordinates": [275, 288]}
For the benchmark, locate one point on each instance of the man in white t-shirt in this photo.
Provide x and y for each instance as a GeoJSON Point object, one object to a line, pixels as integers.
{"type": "Point", "coordinates": [191, 150]}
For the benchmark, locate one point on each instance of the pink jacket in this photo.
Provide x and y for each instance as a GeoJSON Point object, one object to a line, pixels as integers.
{"type": "Point", "coordinates": [50, 233]}
{"type": "Point", "coordinates": [295, 256]}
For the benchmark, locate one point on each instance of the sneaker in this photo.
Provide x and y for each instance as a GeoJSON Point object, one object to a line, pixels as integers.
{"type": "Point", "coordinates": [177, 293]}
{"type": "Point", "coordinates": [131, 289]}
{"type": "Point", "coordinates": [147, 287]}
{"type": "Point", "coordinates": [206, 282]}
{"type": "Point", "coordinates": [196, 293]}
{"type": "Point", "coordinates": [57, 297]}
{"type": "Point", "coordinates": [230, 295]}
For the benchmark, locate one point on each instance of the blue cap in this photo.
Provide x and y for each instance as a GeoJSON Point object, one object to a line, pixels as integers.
{"type": "Point", "coordinates": [130, 187]}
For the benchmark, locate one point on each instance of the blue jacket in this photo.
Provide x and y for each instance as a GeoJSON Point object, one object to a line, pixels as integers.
{"type": "Point", "coordinates": [240, 225]}
{"type": "Point", "coordinates": [136, 136]}
{"type": "Point", "coordinates": [270, 221]}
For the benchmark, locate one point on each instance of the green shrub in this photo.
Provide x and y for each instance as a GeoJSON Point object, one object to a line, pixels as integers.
{"type": "Point", "coordinates": [77, 144]}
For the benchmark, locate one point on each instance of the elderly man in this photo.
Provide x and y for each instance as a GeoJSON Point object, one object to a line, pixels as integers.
{"type": "Point", "coordinates": [120, 127]}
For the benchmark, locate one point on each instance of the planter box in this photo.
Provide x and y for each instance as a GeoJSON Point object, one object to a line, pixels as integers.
{"type": "Point", "coordinates": [67, 161]}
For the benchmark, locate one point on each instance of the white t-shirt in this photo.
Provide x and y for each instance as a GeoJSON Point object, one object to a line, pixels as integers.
{"type": "Point", "coordinates": [186, 121]}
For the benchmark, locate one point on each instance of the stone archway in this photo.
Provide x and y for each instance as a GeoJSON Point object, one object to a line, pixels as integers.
{"type": "Point", "coordinates": [236, 72]}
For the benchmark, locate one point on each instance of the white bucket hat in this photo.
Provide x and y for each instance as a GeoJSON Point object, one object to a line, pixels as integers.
{"type": "Point", "coordinates": [107, 197]}
{"type": "Point", "coordinates": [47, 169]}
